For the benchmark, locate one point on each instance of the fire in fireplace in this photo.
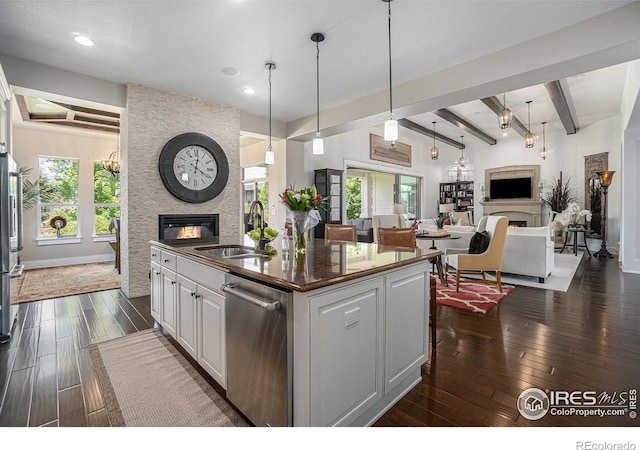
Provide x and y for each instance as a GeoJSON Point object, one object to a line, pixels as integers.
{"type": "Point", "coordinates": [187, 226]}
{"type": "Point", "coordinates": [517, 223]}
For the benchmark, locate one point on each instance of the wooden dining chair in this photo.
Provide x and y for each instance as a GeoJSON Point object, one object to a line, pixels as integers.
{"type": "Point", "coordinates": [397, 237]}
{"type": "Point", "coordinates": [340, 232]}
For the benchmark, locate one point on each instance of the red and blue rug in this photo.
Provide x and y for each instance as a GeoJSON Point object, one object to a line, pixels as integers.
{"type": "Point", "coordinates": [475, 297]}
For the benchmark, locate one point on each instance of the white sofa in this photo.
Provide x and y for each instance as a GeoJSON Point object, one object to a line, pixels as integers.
{"type": "Point", "coordinates": [527, 251]}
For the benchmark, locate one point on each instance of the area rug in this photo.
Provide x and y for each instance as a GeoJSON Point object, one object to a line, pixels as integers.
{"type": "Point", "coordinates": [475, 297]}
{"type": "Point", "coordinates": [146, 382]}
{"type": "Point", "coordinates": [53, 282]}
{"type": "Point", "coordinates": [565, 266]}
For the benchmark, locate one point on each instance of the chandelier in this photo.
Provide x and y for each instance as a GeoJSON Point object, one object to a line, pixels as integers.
{"type": "Point", "coordinates": [112, 165]}
{"type": "Point", "coordinates": [504, 118]}
{"type": "Point", "coordinates": [529, 138]}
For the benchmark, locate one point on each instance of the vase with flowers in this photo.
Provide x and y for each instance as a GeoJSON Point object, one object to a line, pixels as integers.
{"type": "Point", "coordinates": [303, 205]}
{"type": "Point", "coordinates": [576, 217]}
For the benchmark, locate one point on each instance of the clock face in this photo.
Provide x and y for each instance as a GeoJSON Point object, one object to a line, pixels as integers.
{"type": "Point", "coordinates": [193, 167]}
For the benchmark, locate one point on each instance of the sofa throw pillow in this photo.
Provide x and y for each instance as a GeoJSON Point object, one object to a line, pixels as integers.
{"type": "Point", "coordinates": [479, 242]}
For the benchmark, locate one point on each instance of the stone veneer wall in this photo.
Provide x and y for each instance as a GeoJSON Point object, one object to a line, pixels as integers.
{"type": "Point", "coordinates": [151, 118]}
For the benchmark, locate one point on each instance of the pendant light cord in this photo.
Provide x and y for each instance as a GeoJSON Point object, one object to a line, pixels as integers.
{"type": "Point", "coordinates": [270, 69]}
{"type": "Point", "coordinates": [390, 83]}
{"type": "Point", "coordinates": [317, 87]}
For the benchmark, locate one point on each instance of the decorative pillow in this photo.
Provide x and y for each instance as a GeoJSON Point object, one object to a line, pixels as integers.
{"type": "Point", "coordinates": [479, 242]}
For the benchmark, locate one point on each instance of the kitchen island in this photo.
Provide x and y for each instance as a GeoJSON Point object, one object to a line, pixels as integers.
{"type": "Point", "coordinates": [354, 320]}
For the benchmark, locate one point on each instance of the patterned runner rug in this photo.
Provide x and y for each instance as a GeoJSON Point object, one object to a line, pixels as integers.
{"type": "Point", "coordinates": [146, 382]}
{"type": "Point", "coordinates": [53, 282]}
{"type": "Point", "coordinates": [474, 297]}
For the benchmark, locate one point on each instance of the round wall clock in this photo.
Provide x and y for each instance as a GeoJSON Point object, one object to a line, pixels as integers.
{"type": "Point", "coordinates": [193, 167]}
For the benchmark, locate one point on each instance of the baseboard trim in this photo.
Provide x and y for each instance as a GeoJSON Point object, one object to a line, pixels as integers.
{"type": "Point", "coordinates": [43, 263]}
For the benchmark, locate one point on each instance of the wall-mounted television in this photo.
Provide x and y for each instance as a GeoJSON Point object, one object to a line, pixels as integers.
{"type": "Point", "coordinates": [508, 188]}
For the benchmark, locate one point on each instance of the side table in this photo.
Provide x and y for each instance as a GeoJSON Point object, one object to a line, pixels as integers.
{"type": "Point", "coordinates": [576, 233]}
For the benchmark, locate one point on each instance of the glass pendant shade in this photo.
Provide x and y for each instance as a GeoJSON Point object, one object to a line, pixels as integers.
{"type": "Point", "coordinates": [505, 117]}
{"type": "Point", "coordinates": [435, 152]}
{"type": "Point", "coordinates": [391, 130]}
{"type": "Point", "coordinates": [544, 153]}
{"type": "Point", "coordinates": [529, 138]}
{"type": "Point", "coordinates": [462, 162]}
{"type": "Point", "coordinates": [606, 177]}
{"type": "Point", "coordinates": [318, 145]}
{"type": "Point", "coordinates": [269, 156]}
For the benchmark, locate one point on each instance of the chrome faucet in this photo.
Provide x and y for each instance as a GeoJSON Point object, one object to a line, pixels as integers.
{"type": "Point", "coordinates": [257, 205]}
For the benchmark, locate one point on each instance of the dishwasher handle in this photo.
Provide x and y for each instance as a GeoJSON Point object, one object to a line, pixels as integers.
{"type": "Point", "coordinates": [231, 289]}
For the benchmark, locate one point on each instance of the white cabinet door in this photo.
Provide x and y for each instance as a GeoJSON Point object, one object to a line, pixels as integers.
{"type": "Point", "coordinates": [156, 292]}
{"type": "Point", "coordinates": [169, 312]}
{"type": "Point", "coordinates": [187, 312]}
{"type": "Point", "coordinates": [406, 324]}
{"type": "Point", "coordinates": [212, 349]}
{"type": "Point", "coordinates": [346, 352]}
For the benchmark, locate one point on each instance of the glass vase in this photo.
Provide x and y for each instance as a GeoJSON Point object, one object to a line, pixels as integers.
{"type": "Point", "coordinates": [300, 230]}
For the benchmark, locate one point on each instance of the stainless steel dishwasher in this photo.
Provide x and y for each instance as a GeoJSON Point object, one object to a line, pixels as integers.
{"type": "Point", "coordinates": [259, 351]}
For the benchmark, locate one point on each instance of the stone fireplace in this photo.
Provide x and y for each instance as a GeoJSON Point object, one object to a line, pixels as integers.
{"type": "Point", "coordinates": [525, 210]}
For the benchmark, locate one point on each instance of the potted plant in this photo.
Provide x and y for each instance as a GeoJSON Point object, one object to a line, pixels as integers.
{"type": "Point", "coordinates": [560, 195]}
{"type": "Point", "coordinates": [31, 191]}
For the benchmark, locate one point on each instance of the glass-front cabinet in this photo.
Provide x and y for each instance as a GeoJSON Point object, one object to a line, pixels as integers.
{"type": "Point", "coordinates": [329, 184]}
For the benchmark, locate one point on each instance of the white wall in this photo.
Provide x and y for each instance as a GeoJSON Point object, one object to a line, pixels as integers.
{"type": "Point", "coordinates": [29, 142]}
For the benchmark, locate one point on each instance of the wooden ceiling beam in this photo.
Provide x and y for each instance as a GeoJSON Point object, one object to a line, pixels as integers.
{"type": "Point", "coordinates": [496, 106]}
{"type": "Point", "coordinates": [560, 95]}
{"type": "Point", "coordinates": [464, 125]}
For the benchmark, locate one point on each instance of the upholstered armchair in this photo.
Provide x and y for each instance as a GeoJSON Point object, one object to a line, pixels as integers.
{"type": "Point", "coordinates": [488, 261]}
{"type": "Point", "coordinates": [386, 221]}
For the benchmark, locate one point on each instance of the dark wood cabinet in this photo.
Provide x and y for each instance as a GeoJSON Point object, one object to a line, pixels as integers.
{"type": "Point", "coordinates": [329, 184]}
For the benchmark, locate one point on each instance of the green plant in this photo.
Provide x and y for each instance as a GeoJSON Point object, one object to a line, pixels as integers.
{"type": "Point", "coordinates": [354, 197]}
{"type": "Point", "coordinates": [31, 191]}
{"type": "Point", "coordinates": [560, 194]}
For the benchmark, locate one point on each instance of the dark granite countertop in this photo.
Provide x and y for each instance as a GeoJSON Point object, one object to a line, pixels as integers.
{"type": "Point", "coordinates": [322, 265]}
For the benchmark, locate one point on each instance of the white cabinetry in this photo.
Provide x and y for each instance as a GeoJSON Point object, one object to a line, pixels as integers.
{"type": "Point", "coordinates": [156, 292]}
{"type": "Point", "coordinates": [364, 345]}
{"type": "Point", "coordinates": [187, 320]}
{"type": "Point", "coordinates": [187, 301]}
{"type": "Point", "coordinates": [406, 324]}
{"type": "Point", "coordinates": [212, 354]}
{"type": "Point", "coordinates": [346, 349]}
{"type": "Point", "coordinates": [169, 306]}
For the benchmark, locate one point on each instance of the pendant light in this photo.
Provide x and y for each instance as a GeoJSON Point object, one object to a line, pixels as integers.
{"type": "Point", "coordinates": [529, 138]}
{"type": "Point", "coordinates": [462, 162]}
{"type": "Point", "coordinates": [270, 156]}
{"type": "Point", "coordinates": [435, 152]}
{"type": "Point", "coordinates": [544, 152]}
{"type": "Point", "coordinates": [504, 118]}
{"type": "Point", "coordinates": [391, 125]}
{"type": "Point", "coordinates": [318, 145]}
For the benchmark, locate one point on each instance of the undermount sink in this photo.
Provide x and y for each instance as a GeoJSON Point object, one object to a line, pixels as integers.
{"type": "Point", "coordinates": [232, 252]}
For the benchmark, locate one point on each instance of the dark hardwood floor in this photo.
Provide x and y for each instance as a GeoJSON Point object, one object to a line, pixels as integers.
{"type": "Point", "coordinates": [584, 339]}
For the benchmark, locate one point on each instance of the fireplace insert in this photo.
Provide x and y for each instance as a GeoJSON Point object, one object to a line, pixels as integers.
{"type": "Point", "coordinates": [187, 226]}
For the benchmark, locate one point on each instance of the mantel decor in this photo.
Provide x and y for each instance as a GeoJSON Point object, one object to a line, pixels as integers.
{"type": "Point", "coordinates": [381, 151]}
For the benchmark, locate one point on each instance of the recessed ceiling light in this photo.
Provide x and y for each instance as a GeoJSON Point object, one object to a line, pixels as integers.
{"type": "Point", "coordinates": [505, 134]}
{"type": "Point", "coordinates": [83, 40]}
{"type": "Point", "coordinates": [231, 71]}
{"type": "Point", "coordinates": [249, 90]}
{"type": "Point", "coordinates": [45, 106]}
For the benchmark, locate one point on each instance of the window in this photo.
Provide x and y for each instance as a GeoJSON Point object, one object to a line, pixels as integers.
{"type": "Point", "coordinates": [106, 199]}
{"type": "Point", "coordinates": [58, 177]}
{"type": "Point", "coordinates": [408, 193]}
{"type": "Point", "coordinates": [255, 187]}
{"type": "Point", "coordinates": [354, 197]}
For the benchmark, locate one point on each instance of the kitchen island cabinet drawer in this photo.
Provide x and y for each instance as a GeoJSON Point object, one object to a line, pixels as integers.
{"type": "Point", "coordinates": [155, 255]}
{"type": "Point", "coordinates": [207, 276]}
{"type": "Point", "coordinates": [168, 260]}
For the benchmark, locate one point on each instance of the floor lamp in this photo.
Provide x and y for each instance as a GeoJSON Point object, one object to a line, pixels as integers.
{"type": "Point", "coordinates": [605, 181]}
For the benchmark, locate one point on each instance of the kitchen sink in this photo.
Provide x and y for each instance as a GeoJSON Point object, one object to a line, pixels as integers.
{"type": "Point", "coordinates": [232, 252]}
